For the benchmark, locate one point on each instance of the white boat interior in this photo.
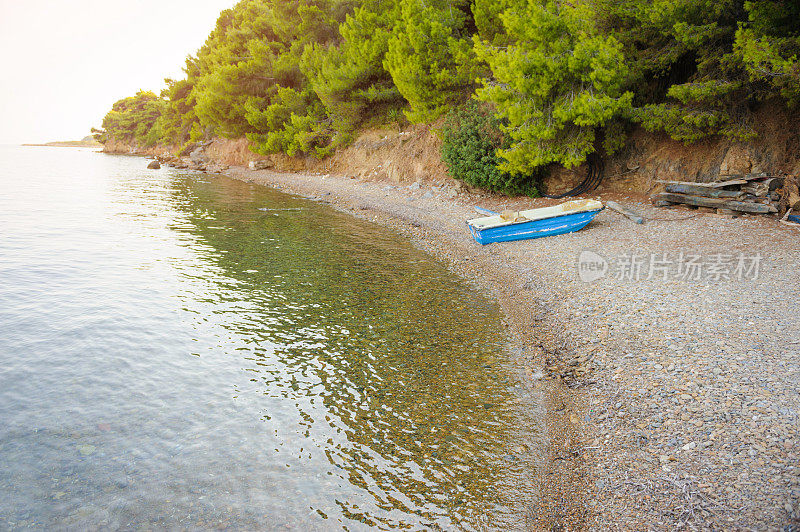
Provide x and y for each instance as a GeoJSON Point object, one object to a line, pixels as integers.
{"type": "Point", "coordinates": [531, 215]}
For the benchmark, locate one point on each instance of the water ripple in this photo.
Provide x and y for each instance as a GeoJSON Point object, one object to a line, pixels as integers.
{"type": "Point", "coordinates": [185, 351]}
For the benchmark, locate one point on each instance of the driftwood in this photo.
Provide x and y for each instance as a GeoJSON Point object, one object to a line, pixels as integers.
{"type": "Point", "coordinates": [785, 221]}
{"type": "Point", "coordinates": [754, 193]}
{"type": "Point", "coordinates": [743, 177]}
{"type": "Point", "coordinates": [716, 203]}
{"type": "Point", "coordinates": [681, 188]}
{"type": "Point", "coordinates": [794, 201]}
{"type": "Point", "coordinates": [763, 188]}
{"type": "Point", "coordinates": [719, 184]}
{"type": "Point", "coordinates": [614, 206]}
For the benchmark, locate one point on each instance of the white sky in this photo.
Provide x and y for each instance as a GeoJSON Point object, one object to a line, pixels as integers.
{"type": "Point", "coordinates": [63, 63]}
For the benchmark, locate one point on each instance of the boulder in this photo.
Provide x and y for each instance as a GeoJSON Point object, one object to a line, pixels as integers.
{"type": "Point", "coordinates": [154, 165]}
{"type": "Point", "coordinates": [260, 165]}
{"type": "Point", "coordinates": [737, 160]}
{"type": "Point", "coordinates": [197, 155]}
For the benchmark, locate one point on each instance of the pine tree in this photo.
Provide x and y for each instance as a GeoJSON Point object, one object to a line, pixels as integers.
{"type": "Point", "coordinates": [349, 77]}
{"type": "Point", "coordinates": [769, 45]}
{"type": "Point", "coordinates": [683, 72]}
{"type": "Point", "coordinates": [556, 83]}
{"type": "Point", "coordinates": [430, 56]}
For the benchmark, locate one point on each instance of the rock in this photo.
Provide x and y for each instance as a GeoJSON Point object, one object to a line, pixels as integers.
{"type": "Point", "coordinates": [427, 195]}
{"type": "Point", "coordinates": [197, 156]}
{"type": "Point", "coordinates": [736, 161]}
{"type": "Point", "coordinates": [260, 165]}
{"type": "Point", "coordinates": [86, 450]}
{"type": "Point", "coordinates": [154, 165]}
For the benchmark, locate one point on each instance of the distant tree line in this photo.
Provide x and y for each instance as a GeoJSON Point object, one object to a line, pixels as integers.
{"type": "Point", "coordinates": [555, 81]}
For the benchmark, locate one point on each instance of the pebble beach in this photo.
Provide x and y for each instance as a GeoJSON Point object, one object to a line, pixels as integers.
{"type": "Point", "coordinates": [670, 375]}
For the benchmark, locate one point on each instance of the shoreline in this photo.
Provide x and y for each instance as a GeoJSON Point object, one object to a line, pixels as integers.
{"type": "Point", "coordinates": [637, 439]}
{"type": "Point", "coordinates": [562, 502]}
{"type": "Point", "coordinates": [669, 403]}
{"type": "Point", "coordinates": [64, 144]}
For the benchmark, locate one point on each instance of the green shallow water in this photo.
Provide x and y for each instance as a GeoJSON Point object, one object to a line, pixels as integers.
{"type": "Point", "coordinates": [188, 351]}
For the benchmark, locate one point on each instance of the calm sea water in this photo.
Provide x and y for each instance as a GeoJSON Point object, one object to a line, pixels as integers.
{"type": "Point", "coordinates": [187, 351]}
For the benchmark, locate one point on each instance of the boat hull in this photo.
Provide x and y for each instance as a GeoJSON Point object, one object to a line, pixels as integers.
{"type": "Point", "coordinates": [558, 225]}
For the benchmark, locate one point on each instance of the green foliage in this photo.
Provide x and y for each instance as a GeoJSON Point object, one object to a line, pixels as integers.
{"type": "Point", "coordinates": [293, 123]}
{"type": "Point", "coordinates": [430, 56]}
{"type": "Point", "coordinates": [471, 138]}
{"type": "Point", "coordinates": [349, 77]}
{"type": "Point", "coordinates": [250, 82]}
{"type": "Point", "coordinates": [555, 84]}
{"type": "Point", "coordinates": [239, 62]}
{"type": "Point", "coordinates": [134, 120]}
{"type": "Point", "coordinates": [683, 71]}
{"type": "Point", "coordinates": [769, 45]}
{"type": "Point", "coordinates": [564, 79]}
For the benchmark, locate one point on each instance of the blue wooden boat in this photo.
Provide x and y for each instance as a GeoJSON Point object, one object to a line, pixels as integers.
{"type": "Point", "coordinates": [534, 223]}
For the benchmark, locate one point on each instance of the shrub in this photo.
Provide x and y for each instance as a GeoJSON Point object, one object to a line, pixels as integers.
{"type": "Point", "coordinates": [471, 137]}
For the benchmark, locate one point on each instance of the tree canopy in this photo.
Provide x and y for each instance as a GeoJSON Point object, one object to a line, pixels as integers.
{"type": "Point", "coordinates": [563, 80]}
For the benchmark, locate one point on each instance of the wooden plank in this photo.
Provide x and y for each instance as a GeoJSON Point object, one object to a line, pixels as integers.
{"type": "Point", "coordinates": [794, 201]}
{"type": "Point", "coordinates": [700, 201]}
{"type": "Point", "coordinates": [744, 177]}
{"type": "Point", "coordinates": [774, 183]}
{"type": "Point", "coordinates": [704, 191]}
{"type": "Point", "coordinates": [632, 216]}
{"type": "Point", "coordinates": [763, 188]}
{"type": "Point", "coordinates": [719, 184]}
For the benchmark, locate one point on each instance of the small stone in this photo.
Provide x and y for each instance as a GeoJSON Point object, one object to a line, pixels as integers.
{"type": "Point", "coordinates": [86, 450]}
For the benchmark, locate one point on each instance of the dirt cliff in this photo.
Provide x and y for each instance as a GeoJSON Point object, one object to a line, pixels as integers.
{"type": "Point", "coordinates": [414, 155]}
